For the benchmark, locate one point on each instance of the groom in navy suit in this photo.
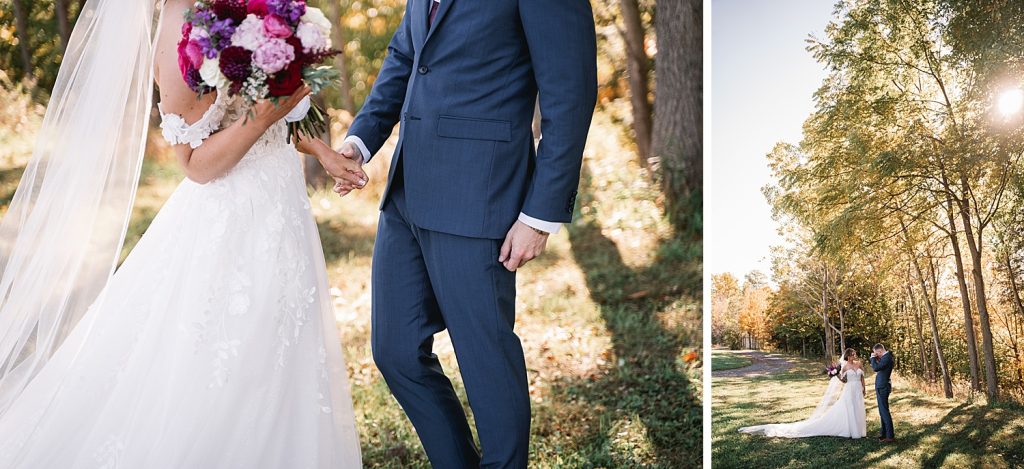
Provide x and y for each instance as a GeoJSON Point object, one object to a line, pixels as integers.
{"type": "Point", "coordinates": [469, 200]}
{"type": "Point", "coordinates": [883, 362]}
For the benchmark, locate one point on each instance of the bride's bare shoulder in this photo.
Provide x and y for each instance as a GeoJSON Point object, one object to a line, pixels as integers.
{"type": "Point", "coordinates": [175, 96]}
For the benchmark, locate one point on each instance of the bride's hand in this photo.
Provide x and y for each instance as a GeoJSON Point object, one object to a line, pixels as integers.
{"type": "Point", "coordinates": [266, 112]}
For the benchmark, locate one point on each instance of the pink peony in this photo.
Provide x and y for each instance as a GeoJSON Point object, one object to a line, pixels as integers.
{"type": "Point", "coordinates": [249, 34]}
{"type": "Point", "coordinates": [275, 26]}
{"type": "Point", "coordinates": [273, 56]}
{"type": "Point", "coordinates": [194, 53]}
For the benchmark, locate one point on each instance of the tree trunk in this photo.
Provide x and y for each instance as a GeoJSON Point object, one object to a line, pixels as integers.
{"type": "Point", "coordinates": [931, 316]}
{"type": "Point", "coordinates": [842, 330]}
{"type": "Point", "coordinates": [947, 384]}
{"type": "Point", "coordinates": [830, 352]}
{"type": "Point", "coordinates": [24, 46]}
{"type": "Point", "coordinates": [678, 110]}
{"type": "Point", "coordinates": [974, 247]}
{"type": "Point", "coordinates": [920, 332]}
{"type": "Point", "coordinates": [1015, 331]}
{"type": "Point", "coordinates": [63, 23]}
{"type": "Point", "coordinates": [338, 39]}
{"type": "Point", "coordinates": [965, 297]}
{"type": "Point", "coordinates": [637, 66]}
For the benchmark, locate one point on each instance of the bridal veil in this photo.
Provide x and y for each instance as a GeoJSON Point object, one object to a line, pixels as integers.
{"type": "Point", "coordinates": [61, 237]}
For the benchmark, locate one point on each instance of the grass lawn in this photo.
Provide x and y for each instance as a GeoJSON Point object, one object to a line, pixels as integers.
{"type": "Point", "coordinates": [609, 318]}
{"type": "Point", "coordinates": [931, 431]}
{"type": "Point", "coordinates": [723, 360]}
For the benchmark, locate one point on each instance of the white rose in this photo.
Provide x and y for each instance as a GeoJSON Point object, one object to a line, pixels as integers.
{"type": "Point", "coordinates": [316, 16]}
{"type": "Point", "coordinates": [312, 38]}
{"type": "Point", "coordinates": [211, 74]}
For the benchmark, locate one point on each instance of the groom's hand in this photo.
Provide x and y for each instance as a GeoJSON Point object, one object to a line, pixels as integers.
{"type": "Point", "coordinates": [522, 244]}
{"type": "Point", "coordinates": [347, 157]}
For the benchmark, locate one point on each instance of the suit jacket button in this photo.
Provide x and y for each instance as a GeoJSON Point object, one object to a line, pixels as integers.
{"type": "Point", "coordinates": [424, 70]}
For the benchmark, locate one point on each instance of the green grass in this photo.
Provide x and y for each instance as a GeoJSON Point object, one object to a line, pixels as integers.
{"type": "Point", "coordinates": [728, 361]}
{"type": "Point", "coordinates": [931, 431]}
{"type": "Point", "coordinates": [609, 318]}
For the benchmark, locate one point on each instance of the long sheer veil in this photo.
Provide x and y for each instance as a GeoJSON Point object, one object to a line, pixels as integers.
{"type": "Point", "coordinates": [835, 386]}
{"type": "Point", "coordinates": [62, 235]}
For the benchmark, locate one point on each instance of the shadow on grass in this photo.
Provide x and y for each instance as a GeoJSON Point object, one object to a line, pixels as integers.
{"type": "Point", "coordinates": [647, 383]}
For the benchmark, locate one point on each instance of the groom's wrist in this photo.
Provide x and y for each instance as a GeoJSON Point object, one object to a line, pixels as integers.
{"type": "Point", "coordinates": [364, 153]}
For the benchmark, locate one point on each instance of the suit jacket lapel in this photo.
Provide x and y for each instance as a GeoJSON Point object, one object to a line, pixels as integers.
{"type": "Point", "coordinates": [441, 11]}
{"type": "Point", "coordinates": [419, 11]}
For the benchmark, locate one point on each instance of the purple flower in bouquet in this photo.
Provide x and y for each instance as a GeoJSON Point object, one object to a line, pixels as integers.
{"type": "Point", "coordinates": [194, 80]}
{"type": "Point", "coordinates": [202, 17]}
{"type": "Point", "coordinates": [832, 370]}
{"type": "Point", "coordinates": [290, 10]}
{"type": "Point", "coordinates": [222, 31]}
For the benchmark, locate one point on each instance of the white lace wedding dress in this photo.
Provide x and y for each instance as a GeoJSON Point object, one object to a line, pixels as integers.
{"type": "Point", "coordinates": [844, 418]}
{"type": "Point", "coordinates": [213, 346]}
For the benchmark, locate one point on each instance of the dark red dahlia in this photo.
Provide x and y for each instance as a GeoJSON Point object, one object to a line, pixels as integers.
{"type": "Point", "coordinates": [285, 82]}
{"type": "Point", "coordinates": [258, 8]}
{"type": "Point", "coordinates": [234, 9]}
{"type": "Point", "coordinates": [236, 63]}
{"type": "Point", "coordinates": [300, 56]}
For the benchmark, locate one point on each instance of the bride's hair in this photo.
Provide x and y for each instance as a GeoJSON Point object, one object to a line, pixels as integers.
{"type": "Point", "coordinates": [847, 353]}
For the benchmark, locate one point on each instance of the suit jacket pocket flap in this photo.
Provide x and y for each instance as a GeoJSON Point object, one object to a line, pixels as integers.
{"type": "Point", "coordinates": [474, 129]}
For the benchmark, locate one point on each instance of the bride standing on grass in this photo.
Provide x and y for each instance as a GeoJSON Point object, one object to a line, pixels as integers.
{"type": "Point", "coordinates": [214, 345]}
{"type": "Point", "coordinates": [845, 417]}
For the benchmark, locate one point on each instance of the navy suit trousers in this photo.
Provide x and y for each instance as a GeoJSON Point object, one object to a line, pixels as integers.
{"type": "Point", "coordinates": [423, 283]}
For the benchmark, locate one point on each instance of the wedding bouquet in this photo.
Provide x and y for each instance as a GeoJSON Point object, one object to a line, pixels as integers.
{"type": "Point", "coordinates": [258, 49]}
{"type": "Point", "coordinates": [832, 371]}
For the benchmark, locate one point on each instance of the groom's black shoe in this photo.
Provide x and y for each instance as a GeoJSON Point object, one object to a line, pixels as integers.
{"type": "Point", "coordinates": [881, 438]}
{"type": "Point", "coordinates": [888, 440]}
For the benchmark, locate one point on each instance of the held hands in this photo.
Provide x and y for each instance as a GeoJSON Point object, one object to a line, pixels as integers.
{"type": "Point", "coordinates": [351, 156]}
{"type": "Point", "coordinates": [347, 172]}
{"type": "Point", "coordinates": [522, 244]}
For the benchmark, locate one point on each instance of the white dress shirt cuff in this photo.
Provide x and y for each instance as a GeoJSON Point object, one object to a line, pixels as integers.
{"type": "Point", "coordinates": [545, 226]}
{"type": "Point", "coordinates": [361, 146]}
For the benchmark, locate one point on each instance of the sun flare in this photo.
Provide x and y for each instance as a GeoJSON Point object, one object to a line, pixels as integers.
{"type": "Point", "coordinates": [1011, 102]}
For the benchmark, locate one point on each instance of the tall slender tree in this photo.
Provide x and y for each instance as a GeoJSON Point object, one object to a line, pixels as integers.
{"type": "Point", "coordinates": [678, 109]}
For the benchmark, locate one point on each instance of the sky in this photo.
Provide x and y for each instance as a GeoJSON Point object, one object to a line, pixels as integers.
{"type": "Point", "coordinates": [762, 82]}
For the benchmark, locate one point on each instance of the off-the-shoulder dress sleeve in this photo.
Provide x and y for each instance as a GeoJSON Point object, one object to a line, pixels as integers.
{"type": "Point", "coordinates": [176, 131]}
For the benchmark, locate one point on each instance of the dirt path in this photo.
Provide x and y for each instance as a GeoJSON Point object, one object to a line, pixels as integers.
{"type": "Point", "coordinates": [763, 364]}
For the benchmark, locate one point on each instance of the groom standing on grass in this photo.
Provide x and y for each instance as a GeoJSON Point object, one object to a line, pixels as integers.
{"type": "Point", "coordinates": [882, 362]}
{"type": "Point", "coordinates": [469, 200]}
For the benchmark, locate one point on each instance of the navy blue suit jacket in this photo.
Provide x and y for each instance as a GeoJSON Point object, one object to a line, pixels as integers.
{"type": "Point", "coordinates": [883, 370]}
{"type": "Point", "coordinates": [464, 90]}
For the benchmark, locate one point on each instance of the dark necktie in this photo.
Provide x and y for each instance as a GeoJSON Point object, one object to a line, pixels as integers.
{"type": "Point", "coordinates": [433, 12]}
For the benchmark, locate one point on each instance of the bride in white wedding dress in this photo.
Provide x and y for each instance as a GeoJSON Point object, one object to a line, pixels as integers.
{"type": "Point", "coordinates": [214, 345]}
{"type": "Point", "coordinates": [845, 417]}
